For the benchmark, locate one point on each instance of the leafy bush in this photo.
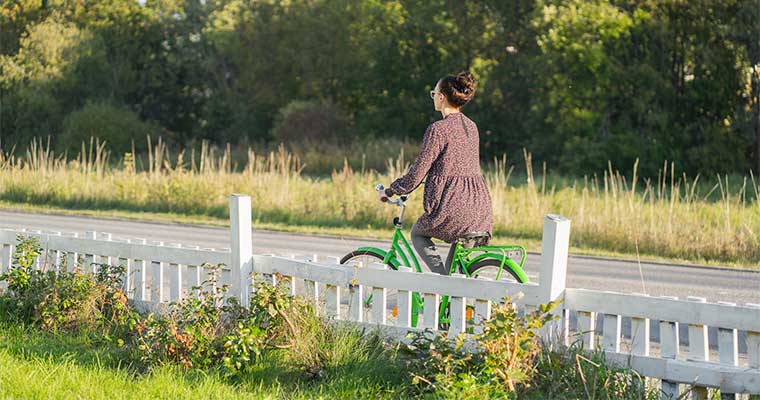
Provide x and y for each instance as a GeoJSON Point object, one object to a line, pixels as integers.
{"type": "Point", "coordinates": [311, 121]}
{"type": "Point", "coordinates": [503, 357]}
{"type": "Point", "coordinates": [117, 126]}
{"type": "Point", "coordinates": [193, 330]}
{"type": "Point", "coordinates": [65, 301]}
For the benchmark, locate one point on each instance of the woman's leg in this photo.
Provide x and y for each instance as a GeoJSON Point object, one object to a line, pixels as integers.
{"type": "Point", "coordinates": [427, 251]}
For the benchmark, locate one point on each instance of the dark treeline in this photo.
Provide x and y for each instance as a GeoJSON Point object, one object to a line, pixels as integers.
{"type": "Point", "coordinates": [575, 82]}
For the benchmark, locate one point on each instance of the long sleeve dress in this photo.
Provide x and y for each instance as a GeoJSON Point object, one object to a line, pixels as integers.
{"type": "Point", "coordinates": [456, 199]}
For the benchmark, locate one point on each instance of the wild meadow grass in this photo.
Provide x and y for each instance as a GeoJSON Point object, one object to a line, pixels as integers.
{"type": "Point", "coordinates": [699, 219]}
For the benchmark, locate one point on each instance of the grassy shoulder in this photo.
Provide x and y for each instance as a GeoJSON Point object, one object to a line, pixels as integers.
{"type": "Point", "coordinates": [532, 244]}
{"type": "Point", "coordinates": [74, 366]}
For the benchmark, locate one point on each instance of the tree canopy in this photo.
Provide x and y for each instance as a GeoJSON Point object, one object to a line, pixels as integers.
{"type": "Point", "coordinates": [577, 82]}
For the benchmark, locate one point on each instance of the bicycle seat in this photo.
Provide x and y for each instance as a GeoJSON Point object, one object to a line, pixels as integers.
{"type": "Point", "coordinates": [474, 239]}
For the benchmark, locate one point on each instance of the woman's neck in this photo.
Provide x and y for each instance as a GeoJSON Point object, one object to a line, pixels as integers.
{"type": "Point", "coordinates": [448, 110]}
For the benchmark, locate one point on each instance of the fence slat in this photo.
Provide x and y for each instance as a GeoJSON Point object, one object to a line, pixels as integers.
{"type": "Point", "coordinates": [457, 313]}
{"type": "Point", "coordinates": [332, 301]}
{"type": "Point", "coordinates": [699, 349]}
{"type": "Point", "coordinates": [6, 251]}
{"type": "Point", "coordinates": [140, 276]}
{"type": "Point", "coordinates": [107, 258]}
{"type": "Point", "coordinates": [404, 313]}
{"type": "Point", "coordinates": [194, 275]}
{"type": "Point", "coordinates": [430, 314]}
{"type": "Point", "coordinates": [57, 255]}
{"type": "Point", "coordinates": [587, 328]}
{"type": "Point", "coordinates": [481, 315]}
{"type": "Point", "coordinates": [753, 345]}
{"type": "Point", "coordinates": [312, 287]}
{"type": "Point", "coordinates": [356, 303]}
{"type": "Point", "coordinates": [38, 262]}
{"type": "Point", "coordinates": [457, 316]}
{"type": "Point", "coordinates": [72, 257]}
{"type": "Point", "coordinates": [90, 259]}
{"type": "Point", "coordinates": [728, 351]}
{"type": "Point", "coordinates": [640, 336]}
{"type": "Point", "coordinates": [378, 308]}
{"type": "Point", "coordinates": [157, 283]}
{"type": "Point", "coordinates": [126, 282]}
{"type": "Point", "coordinates": [175, 278]}
{"type": "Point", "coordinates": [670, 347]}
{"type": "Point", "coordinates": [611, 325]}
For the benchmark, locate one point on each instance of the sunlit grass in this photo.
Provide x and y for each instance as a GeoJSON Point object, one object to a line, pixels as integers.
{"type": "Point", "coordinates": [671, 216]}
{"type": "Point", "coordinates": [38, 365]}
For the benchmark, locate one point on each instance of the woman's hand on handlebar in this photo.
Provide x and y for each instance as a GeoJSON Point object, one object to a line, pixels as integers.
{"type": "Point", "coordinates": [381, 192]}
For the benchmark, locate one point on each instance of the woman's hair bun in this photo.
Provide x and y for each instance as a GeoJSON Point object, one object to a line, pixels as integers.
{"type": "Point", "coordinates": [459, 89]}
{"type": "Point", "coordinates": [466, 82]}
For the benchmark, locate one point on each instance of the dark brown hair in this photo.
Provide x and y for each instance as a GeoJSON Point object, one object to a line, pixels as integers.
{"type": "Point", "coordinates": [459, 89]}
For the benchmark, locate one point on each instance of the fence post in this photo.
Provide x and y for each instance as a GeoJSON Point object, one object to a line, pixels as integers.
{"type": "Point", "coordinates": [553, 271]}
{"type": "Point", "coordinates": [242, 250]}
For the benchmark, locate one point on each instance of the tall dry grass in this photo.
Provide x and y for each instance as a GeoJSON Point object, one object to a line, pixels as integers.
{"type": "Point", "coordinates": [671, 216]}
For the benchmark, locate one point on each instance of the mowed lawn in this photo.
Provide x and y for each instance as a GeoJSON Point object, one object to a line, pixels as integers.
{"type": "Point", "coordinates": [35, 365]}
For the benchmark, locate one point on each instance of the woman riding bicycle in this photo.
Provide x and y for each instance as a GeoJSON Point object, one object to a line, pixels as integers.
{"type": "Point", "coordinates": [456, 200]}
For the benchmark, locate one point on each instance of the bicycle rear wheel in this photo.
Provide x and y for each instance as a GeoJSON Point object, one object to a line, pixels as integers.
{"type": "Point", "coordinates": [489, 268]}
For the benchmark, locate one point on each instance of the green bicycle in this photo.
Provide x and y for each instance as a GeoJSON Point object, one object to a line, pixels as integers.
{"type": "Point", "coordinates": [470, 258]}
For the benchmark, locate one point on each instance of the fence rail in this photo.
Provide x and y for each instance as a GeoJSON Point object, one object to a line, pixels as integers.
{"type": "Point", "coordinates": [158, 273]}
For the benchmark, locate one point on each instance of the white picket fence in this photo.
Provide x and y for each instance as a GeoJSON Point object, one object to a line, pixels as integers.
{"type": "Point", "coordinates": [159, 273]}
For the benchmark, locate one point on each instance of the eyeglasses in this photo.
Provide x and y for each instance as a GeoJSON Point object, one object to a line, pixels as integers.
{"type": "Point", "coordinates": [432, 94]}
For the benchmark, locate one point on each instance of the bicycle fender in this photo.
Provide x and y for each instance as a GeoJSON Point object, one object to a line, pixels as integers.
{"type": "Point", "coordinates": [507, 264]}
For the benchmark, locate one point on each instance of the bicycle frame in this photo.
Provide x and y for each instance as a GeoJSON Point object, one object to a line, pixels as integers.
{"type": "Point", "coordinates": [401, 253]}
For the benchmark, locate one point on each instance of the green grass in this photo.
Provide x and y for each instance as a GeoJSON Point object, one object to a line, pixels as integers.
{"type": "Point", "coordinates": [671, 218]}
{"type": "Point", "coordinates": [37, 365]}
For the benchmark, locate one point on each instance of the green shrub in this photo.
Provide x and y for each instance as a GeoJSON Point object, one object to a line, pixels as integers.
{"type": "Point", "coordinates": [117, 126]}
{"type": "Point", "coordinates": [311, 121]}
{"type": "Point", "coordinates": [193, 331]}
{"type": "Point", "coordinates": [503, 357]}
{"type": "Point", "coordinates": [65, 301]}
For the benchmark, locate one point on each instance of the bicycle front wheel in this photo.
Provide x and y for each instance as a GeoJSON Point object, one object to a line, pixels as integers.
{"type": "Point", "coordinates": [363, 258]}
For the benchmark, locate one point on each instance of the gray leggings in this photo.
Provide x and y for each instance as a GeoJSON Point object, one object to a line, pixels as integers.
{"type": "Point", "coordinates": [426, 249]}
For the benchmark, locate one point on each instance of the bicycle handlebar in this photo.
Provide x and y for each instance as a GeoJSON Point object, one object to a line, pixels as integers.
{"type": "Point", "coordinates": [399, 202]}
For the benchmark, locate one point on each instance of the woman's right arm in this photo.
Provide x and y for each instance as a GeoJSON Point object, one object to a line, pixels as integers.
{"type": "Point", "coordinates": [431, 148]}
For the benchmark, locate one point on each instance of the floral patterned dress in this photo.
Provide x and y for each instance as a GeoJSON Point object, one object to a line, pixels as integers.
{"type": "Point", "coordinates": [456, 198]}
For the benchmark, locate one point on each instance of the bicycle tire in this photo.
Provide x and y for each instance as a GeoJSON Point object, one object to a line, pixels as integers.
{"type": "Point", "coordinates": [357, 253]}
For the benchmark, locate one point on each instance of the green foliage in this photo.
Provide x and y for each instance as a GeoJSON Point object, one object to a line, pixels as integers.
{"type": "Point", "coordinates": [118, 127]}
{"type": "Point", "coordinates": [243, 347]}
{"type": "Point", "coordinates": [25, 254]}
{"type": "Point", "coordinates": [577, 82]}
{"type": "Point", "coordinates": [502, 359]}
{"type": "Point", "coordinates": [311, 122]}
{"type": "Point", "coordinates": [193, 331]}
{"type": "Point", "coordinates": [65, 301]}
{"type": "Point", "coordinates": [57, 65]}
